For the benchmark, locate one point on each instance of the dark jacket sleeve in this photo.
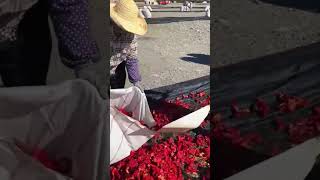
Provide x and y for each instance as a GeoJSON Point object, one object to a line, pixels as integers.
{"type": "Point", "coordinates": [132, 66]}
{"type": "Point", "coordinates": [71, 23]}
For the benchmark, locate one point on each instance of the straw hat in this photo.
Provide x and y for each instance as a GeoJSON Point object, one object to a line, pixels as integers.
{"type": "Point", "coordinates": [125, 14]}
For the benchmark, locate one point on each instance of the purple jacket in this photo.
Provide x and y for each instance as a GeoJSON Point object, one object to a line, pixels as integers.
{"type": "Point", "coordinates": [71, 23]}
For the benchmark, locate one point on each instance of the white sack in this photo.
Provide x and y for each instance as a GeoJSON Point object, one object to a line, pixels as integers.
{"type": "Point", "coordinates": [16, 165]}
{"type": "Point", "coordinates": [207, 8]}
{"type": "Point", "coordinates": [208, 13]}
{"type": "Point", "coordinates": [190, 5]}
{"type": "Point", "coordinates": [150, 9]}
{"type": "Point", "coordinates": [146, 12]}
{"type": "Point", "coordinates": [184, 8]}
{"type": "Point", "coordinates": [132, 100]}
{"type": "Point", "coordinates": [141, 14]}
{"type": "Point", "coordinates": [121, 126]}
{"type": "Point", "coordinates": [68, 120]}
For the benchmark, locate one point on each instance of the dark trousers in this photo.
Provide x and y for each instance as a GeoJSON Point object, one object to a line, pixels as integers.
{"type": "Point", "coordinates": [118, 80]}
{"type": "Point", "coordinates": [25, 62]}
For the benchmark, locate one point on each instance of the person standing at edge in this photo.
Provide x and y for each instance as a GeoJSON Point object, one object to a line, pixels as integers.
{"type": "Point", "coordinates": [25, 42]}
{"type": "Point", "coordinates": [126, 24]}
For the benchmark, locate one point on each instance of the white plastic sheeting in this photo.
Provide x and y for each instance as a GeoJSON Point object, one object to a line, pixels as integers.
{"type": "Point", "coordinates": [68, 120]}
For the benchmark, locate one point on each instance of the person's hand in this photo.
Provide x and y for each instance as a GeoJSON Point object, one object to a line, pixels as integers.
{"type": "Point", "coordinates": [96, 74]}
{"type": "Point", "coordinates": [138, 85]}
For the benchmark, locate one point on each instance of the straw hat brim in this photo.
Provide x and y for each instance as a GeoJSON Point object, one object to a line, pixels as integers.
{"type": "Point", "coordinates": [137, 25]}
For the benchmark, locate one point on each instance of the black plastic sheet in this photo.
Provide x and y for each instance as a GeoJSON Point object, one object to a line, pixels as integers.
{"type": "Point", "coordinates": [295, 72]}
{"type": "Point", "coordinates": [307, 5]}
{"type": "Point", "coordinates": [170, 92]}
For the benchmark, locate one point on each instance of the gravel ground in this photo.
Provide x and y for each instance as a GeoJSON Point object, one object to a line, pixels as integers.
{"type": "Point", "coordinates": [176, 47]}
{"type": "Point", "coordinates": [246, 29]}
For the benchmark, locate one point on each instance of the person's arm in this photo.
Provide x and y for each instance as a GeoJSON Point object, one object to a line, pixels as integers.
{"type": "Point", "coordinates": [132, 63]}
{"type": "Point", "coordinates": [77, 48]}
{"type": "Point", "coordinates": [71, 23]}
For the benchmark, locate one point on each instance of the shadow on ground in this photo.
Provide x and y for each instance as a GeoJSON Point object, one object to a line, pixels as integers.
{"type": "Point", "coordinates": [306, 5]}
{"type": "Point", "coordinates": [165, 20]}
{"type": "Point", "coordinates": [198, 58]}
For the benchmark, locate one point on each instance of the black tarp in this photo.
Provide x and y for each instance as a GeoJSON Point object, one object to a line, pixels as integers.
{"type": "Point", "coordinates": [170, 92]}
{"type": "Point", "coordinates": [307, 5]}
{"type": "Point", "coordinates": [295, 72]}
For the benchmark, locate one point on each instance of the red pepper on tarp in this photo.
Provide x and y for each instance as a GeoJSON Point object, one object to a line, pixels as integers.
{"type": "Point", "coordinates": [290, 103]}
{"type": "Point", "coordinates": [316, 110]}
{"type": "Point", "coordinates": [238, 112]}
{"type": "Point", "coordinates": [280, 125]}
{"type": "Point", "coordinates": [275, 150]}
{"type": "Point", "coordinates": [262, 108]}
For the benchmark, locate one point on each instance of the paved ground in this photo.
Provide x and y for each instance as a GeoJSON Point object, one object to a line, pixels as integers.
{"type": "Point", "coordinates": [176, 47]}
{"type": "Point", "coordinates": [245, 29]}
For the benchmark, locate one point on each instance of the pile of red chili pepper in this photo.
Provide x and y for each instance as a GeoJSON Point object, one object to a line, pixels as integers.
{"type": "Point", "coordinates": [181, 156]}
{"type": "Point", "coordinates": [295, 130]}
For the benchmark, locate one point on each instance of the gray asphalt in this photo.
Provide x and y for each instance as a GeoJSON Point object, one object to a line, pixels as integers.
{"type": "Point", "coordinates": [247, 29]}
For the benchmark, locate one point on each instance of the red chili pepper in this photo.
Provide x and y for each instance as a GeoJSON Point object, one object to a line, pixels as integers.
{"type": "Point", "coordinates": [122, 110]}
{"type": "Point", "coordinates": [316, 110]}
{"type": "Point", "coordinates": [280, 125]}
{"type": "Point", "coordinates": [262, 108]}
{"type": "Point", "coordinates": [291, 103]}
{"type": "Point", "coordinates": [238, 112]}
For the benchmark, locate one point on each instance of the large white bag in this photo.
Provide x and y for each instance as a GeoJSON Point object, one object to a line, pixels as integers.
{"type": "Point", "coordinates": [146, 12]}
{"type": "Point", "coordinates": [128, 134]}
{"type": "Point", "coordinates": [121, 125]}
{"type": "Point", "coordinates": [68, 120]}
{"type": "Point", "coordinates": [16, 165]}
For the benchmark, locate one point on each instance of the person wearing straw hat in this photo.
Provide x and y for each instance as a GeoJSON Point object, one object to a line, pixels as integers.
{"type": "Point", "coordinates": [126, 24]}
